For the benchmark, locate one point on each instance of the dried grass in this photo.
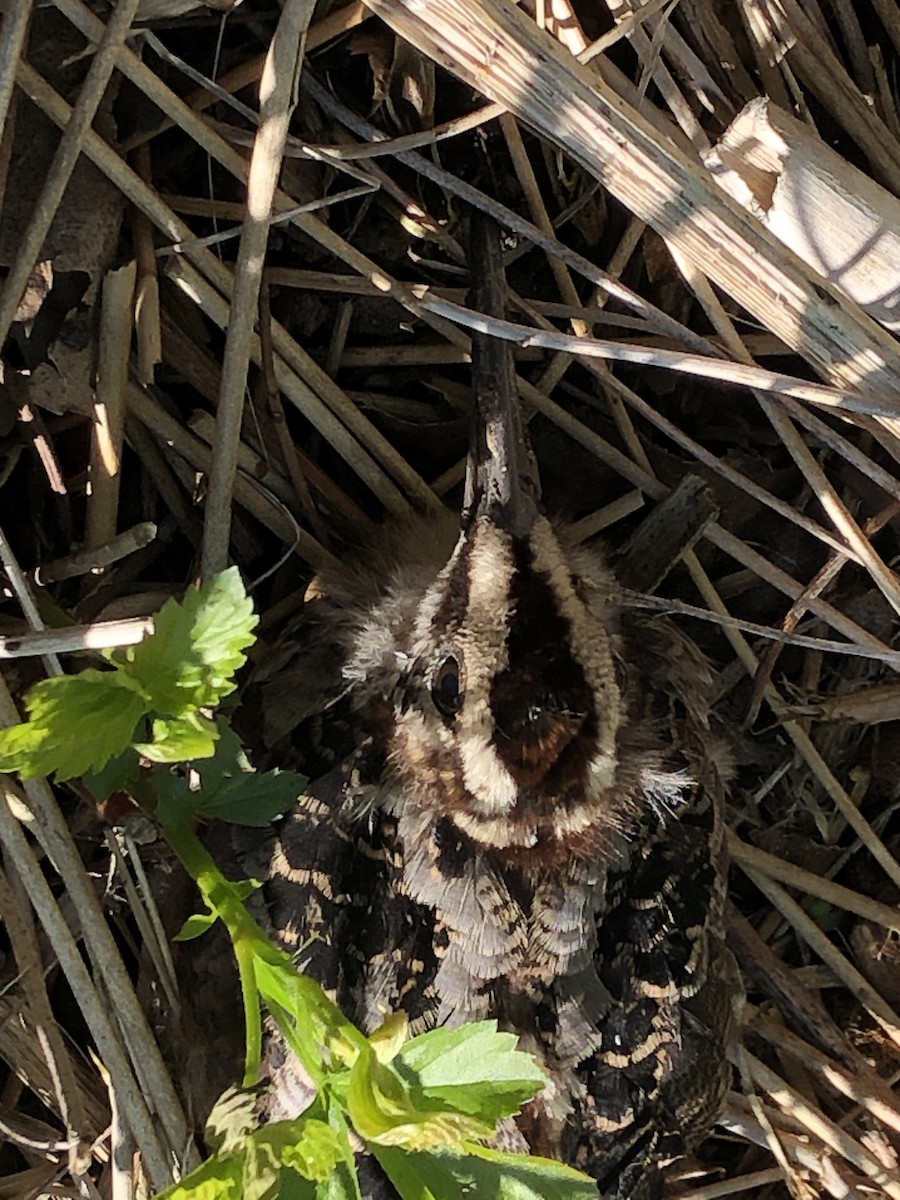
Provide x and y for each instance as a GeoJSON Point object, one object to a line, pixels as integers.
{"type": "Point", "coordinates": [318, 453]}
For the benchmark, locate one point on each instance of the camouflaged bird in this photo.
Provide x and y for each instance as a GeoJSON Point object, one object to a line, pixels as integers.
{"type": "Point", "coordinates": [525, 824]}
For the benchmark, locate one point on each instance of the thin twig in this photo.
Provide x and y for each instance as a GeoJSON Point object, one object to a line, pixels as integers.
{"type": "Point", "coordinates": [103, 62]}
{"type": "Point", "coordinates": [693, 364]}
{"type": "Point", "coordinates": [277, 99]}
{"type": "Point", "coordinates": [95, 1012]}
{"type": "Point", "coordinates": [74, 639]}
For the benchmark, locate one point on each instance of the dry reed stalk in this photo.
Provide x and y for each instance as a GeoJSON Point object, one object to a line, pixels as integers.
{"type": "Point", "coordinates": [277, 99]}
{"type": "Point", "coordinates": [814, 885]}
{"type": "Point", "coordinates": [498, 50]}
{"type": "Point", "coordinates": [653, 67]}
{"type": "Point", "coordinates": [108, 428]}
{"type": "Point", "coordinates": [22, 1053]}
{"type": "Point", "coordinates": [822, 1130]}
{"type": "Point", "coordinates": [131, 1096]}
{"type": "Point", "coordinates": [67, 1098]}
{"type": "Point", "coordinates": [715, 533]}
{"type": "Point", "coordinates": [146, 298]}
{"type": "Point", "coordinates": [698, 452]}
{"type": "Point", "coordinates": [806, 1133]}
{"type": "Point", "coordinates": [248, 493]}
{"type": "Point", "coordinates": [338, 22]}
{"type": "Point", "coordinates": [838, 219]}
{"type": "Point", "coordinates": [295, 359]}
{"type": "Point", "coordinates": [856, 1080]}
{"type": "Point", "coordinates": [97, 636]}
{"type": "Point", "coordinates": [823, 74]}
{"type": "Point", "coordinates": [311, 376]}
{"type": "Point", "coordinates": [111, 38]}
{"type": "Point", "coordinates": [98, 557]}
{"type": "Point", "coordinates": [13, 31]}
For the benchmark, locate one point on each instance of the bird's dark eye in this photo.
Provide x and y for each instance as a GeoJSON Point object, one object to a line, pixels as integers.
{"type": "Point", "coordinates": [446, 687]}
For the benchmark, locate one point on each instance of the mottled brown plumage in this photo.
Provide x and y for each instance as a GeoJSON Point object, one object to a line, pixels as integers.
{"type": "Point", "coordinates": [524, 822]}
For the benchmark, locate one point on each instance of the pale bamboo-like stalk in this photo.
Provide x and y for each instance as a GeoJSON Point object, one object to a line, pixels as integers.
{"type": "Point", "coordinates": [834, 216]}
{"type": "Point", "coordinates": [493, 46]}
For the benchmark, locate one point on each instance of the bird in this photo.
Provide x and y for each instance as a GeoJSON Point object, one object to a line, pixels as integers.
{"type": "Point", "coordinates": [522, 818]}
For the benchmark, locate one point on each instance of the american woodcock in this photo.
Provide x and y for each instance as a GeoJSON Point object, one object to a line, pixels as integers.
{"type": "Point", "coordinates": [525, 823]}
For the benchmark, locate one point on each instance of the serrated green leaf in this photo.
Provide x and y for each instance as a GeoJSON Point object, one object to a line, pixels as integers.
{"type": "Point", "coordinates": [252, 799]}
{"type": "Point", "coordinates": [219, 1178]}
{"type": "Point", "coordinates": [196, 648]}
{"type": "Point", "coordinates": [76, 724]}
{"type": "Point", "coordinates": [231, 790]}
{"type": "Point", "coordinates": [473, 1069]}
{"type": "Point", "coordinates": [441, 1088]}
{"type": "Point", "coordinates": [180, 739]}
{"type": "Point", "coordinates": [119, 775]}
{"type": "Point", "coordinates": [475, 1171]}
{"type": "Point", "coordinates": [176, 801]}
{"type": "Point", "coordinates": [228, 761]}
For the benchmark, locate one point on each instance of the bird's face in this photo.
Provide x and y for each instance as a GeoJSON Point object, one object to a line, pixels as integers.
{"type": "Point", "coordinates": [505, 708]}
{"type": "Point", "coordinates": [507, 716]}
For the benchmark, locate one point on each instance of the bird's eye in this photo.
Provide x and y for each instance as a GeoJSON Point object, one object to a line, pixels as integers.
{"type": "Point", "coordinates": [446, 687]}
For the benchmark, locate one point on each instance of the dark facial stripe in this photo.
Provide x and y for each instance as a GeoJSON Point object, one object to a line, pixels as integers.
{"type": "Point", "coordinates": [545, 723]}
{"type": "Point", "coordinates": [452, 607]}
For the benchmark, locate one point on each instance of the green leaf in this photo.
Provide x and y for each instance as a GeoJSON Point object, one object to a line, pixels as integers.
{"type": "Point", "coordinates": [176, 801]}
{"type": "Point", "coordinates": [196, 925]}
{"type": "Point", "coordinates": [232, 1118]}
{"type": "Point", "coordinates": [219, 1178]}
{"type": "Point", "coordinates": [252, 799]}
{"type": "Point", "coordinates": [262, 1160]}
{"type": "Point", "coordinates": [440, 1088]}
{"type": "Point", "coordinates": [196, 648]}
{"type": "Point", "coordinates": [344, 1181]}
{"type": "Point", "coordinates": [229, 787]}
{"type": "Point", "coordinates": [312, 1025]}
{"type": "Point", "coordinates": [76, 724]}
{"type": "Point", "coordinates": [384, 1109]}
{"type": "Point", "coordinates": [390, 1037]}
{"type": "Point", "coordinates": [180, 739]}
{"type": "Point", "coordinates": [316, 1152]}
{"type": "Point", "coordinates": [821, 911]}
{"type": "Point", "coordinates": [297, 1187]}
{"type": "Point", "coordinates": [228, 761]}
{"type": "Point", "coordinates": [476, 1171]}
{"type": "Point", "coordinates": [473, 1069]}
{"type": "Point", "coordinates": [119, 775]}
{"type": "Point", "coordinates": [341, 1182]}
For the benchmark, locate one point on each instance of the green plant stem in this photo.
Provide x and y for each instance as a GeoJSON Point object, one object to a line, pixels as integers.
{"type": "Point", "coordinates": [247, 938]}
{"type": "Point", "coordinates": [310, 1021]}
